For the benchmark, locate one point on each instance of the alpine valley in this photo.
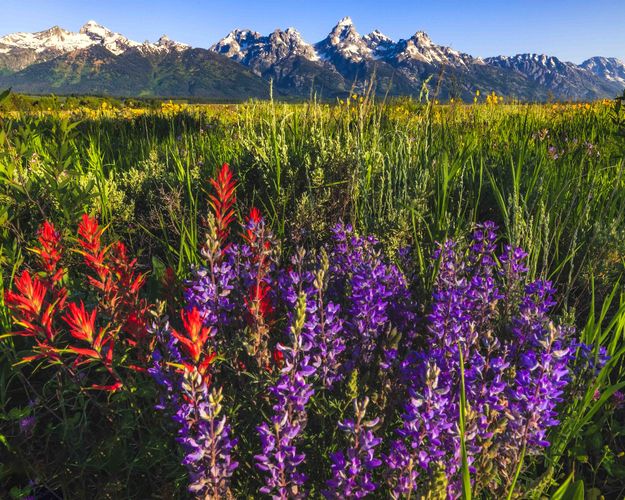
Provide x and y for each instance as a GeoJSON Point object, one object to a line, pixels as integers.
{"type": "Point", "coordinates": [241, 65]}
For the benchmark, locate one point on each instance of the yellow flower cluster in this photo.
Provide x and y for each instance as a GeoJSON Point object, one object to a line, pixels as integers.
{"type": "Point", "coordinates": [493, 98]}
{"type": "Point", "coordinates": [173, 108]}
{"type": "Point", "coordinates": [405, 110]}
{"type": "Point", "coordinates": [127, 112]}
{"type": "Point", "coordinates": [352, 99]}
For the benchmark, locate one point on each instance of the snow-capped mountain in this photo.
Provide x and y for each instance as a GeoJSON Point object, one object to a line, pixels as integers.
{"type": "Point", "coordinates": [19, 50]}
{"type": "Point", "coordinates": [420, 47]}
{"type": "Point", "coordinates": [55, 38]}
{"type": "Point", "coordinates": [342, 45]}
{"type": "Point", "coordinates": [98, 60]}
{"type": "Point", "coordinates": [262, 52]}
{"type": "Point", "coordinates": [284, 57]}
{"type": "Point", "coordinates": [163, 44]}
{"type": "Point", "coordinates": [345, 43]}
{"type": "Point", "coordinates": [379, 43]}
{"type": "Point", "coordinates": [398, 67]}
{"type": "Point", "coordinates": [540, 67]}
{"type": "Point", "coordinates": [96, 34]}
{"type": "Point", "coordinates": [609, 68]}
{"type": "Point", "coordinates": [562, 79]}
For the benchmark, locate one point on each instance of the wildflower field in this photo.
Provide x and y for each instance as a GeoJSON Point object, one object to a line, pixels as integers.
{"type": "Point", "coordinates": [360, 299]}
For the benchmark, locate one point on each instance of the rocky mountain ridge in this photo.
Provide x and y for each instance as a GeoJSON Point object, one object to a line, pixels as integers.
{"type": "Point", "coordinates": [98, 60]}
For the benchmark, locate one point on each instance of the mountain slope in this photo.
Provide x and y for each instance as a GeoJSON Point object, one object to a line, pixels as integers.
{"type": "Point", "coordinates": [97, 60]}
{"type": "Point", "coordinates": [607, 68]}
{"type": "Point", "coordinates": [283, 57]}
{"type": "Point", "coordinates": [95, 70]}
{"type": "Point", "coordinates": [357, 59]}
{"type": "Point", "coordinates": [563, 80]}
{"type": "Point", "coordinates": [402, 67]}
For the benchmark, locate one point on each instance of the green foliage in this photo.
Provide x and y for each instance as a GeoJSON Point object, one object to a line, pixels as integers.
{"type": "Point", "coordinates": [410, 172]}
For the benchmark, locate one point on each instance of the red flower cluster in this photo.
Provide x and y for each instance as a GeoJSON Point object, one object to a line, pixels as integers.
{"type": "Point", "coordinates": [223, 200]}
{"type": "Point", "coordinates": [50, 252]}
{"type": "Point", "coordinates": [194, 340]}
{"type": "Point", "coordinates": [34, 309]}
{"type": "Point", "coordinates": [119, 314]}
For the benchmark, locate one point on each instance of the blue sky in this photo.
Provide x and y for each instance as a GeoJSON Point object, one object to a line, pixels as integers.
{"type": "Point", "coordinates": [572, 30]}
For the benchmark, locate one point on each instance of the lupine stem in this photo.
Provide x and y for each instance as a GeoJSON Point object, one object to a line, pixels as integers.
{"type": "Point", "coordinates": [517, 472]}
{"type": "Point", "coordinates": [466, 479]}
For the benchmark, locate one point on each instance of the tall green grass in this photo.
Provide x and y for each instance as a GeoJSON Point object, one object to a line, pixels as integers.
{"type": "Point", "coordinates": [412, 173]}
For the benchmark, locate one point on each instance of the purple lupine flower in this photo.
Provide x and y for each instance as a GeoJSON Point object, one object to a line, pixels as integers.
{"type": "Point", "coordinates": [512, 384]}
{"type": "Point", "coordinates": [329, 342]}
{"type": "Point", "coordinates": [203, 433]}
{"type": "Point", "coordinates": [618, 400]}
{"type": "Point", "coordinates": [234, 290]}
{"type": "Point", "coordinates": [166, 351]}
{"type": "Point", "coordinates": [543, 355]}
{"type": "Point", "coordinates": [206, 439]}
{"type": "Point", "coordinates": [210, 291]}
{"type": "Point", "coordinates": [324, 326]}
{"type": "Point", "coordinates": [352, 469]}
{"type": "Point", "coordinates": [375, 293]}
{"type": "Point", "coordinates": [27, 424]}
{"type": "Point", "coordinates": [280, 459]}
{"type": "Point", "coordinates": [429, 431]}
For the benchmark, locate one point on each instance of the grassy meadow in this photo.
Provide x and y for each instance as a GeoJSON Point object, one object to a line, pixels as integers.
{"type": "Point", "coordinates": [551, 176]}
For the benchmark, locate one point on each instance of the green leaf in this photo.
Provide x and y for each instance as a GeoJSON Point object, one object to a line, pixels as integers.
{"type": "Point", "coordinates": [569, 490]}
{"type": "Point", "coordinates": [578, 490]}
{"type": "Point", "coordinates": [158, 267]}
{"type": "Point", "coordinates": [466, 477]}
{"type": "Point", "coordinates": [18, 413]}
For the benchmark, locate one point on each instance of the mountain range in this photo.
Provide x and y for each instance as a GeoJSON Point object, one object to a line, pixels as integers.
{"type": "Point", "coordinates": [241, 65]}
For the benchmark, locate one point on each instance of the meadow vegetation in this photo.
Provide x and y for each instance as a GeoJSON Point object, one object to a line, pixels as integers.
{"type": "Point", "coordinates": [500, 220]}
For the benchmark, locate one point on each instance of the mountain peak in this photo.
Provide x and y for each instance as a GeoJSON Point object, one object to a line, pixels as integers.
{"type": "Point", "coordinates": [55, 30]}
{"type": "Point", "coordinates": [345, 42]}
{"type": "Point", "coordinates": [344, 29]}
{"type": "Point", "coordinates": [379, 43]}
{"type": "Point", "coordinates": [378, 35]}
{"type": "Point", "coordinates": [261, 52]}
{"type": "Point", "coordinates": [608, 68]}
{"type": "Point", "coordinates": [164, 42]}
{"type": "Point", "coordinates": [346, 21]}
{"type": "Point", "coordinates": [113, 42]}
{"type": "Point", "coordinates": [94, 28]}
{"type": "Point", "coordinates": [422, 38]}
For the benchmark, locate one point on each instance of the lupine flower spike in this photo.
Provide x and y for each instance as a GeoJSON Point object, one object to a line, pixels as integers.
{"type": "Point", "coordinates": [352, 469]}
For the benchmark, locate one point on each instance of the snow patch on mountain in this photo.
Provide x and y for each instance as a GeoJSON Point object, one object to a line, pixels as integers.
{"type": "Point", "coordinates": [421, 48]}
{"type": "Point", "coordinates": [260, 52]}
{"type": "Point", "coordinates": [380, 44]}
{"type": "Point", "coordinates": [56, 41]}
{"type": "Point", "coordinates": [344, 42]}
{"type": "Point", "coordinates": [610, 68]}
{"type": "Point", "coordinates": [55, 38]}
